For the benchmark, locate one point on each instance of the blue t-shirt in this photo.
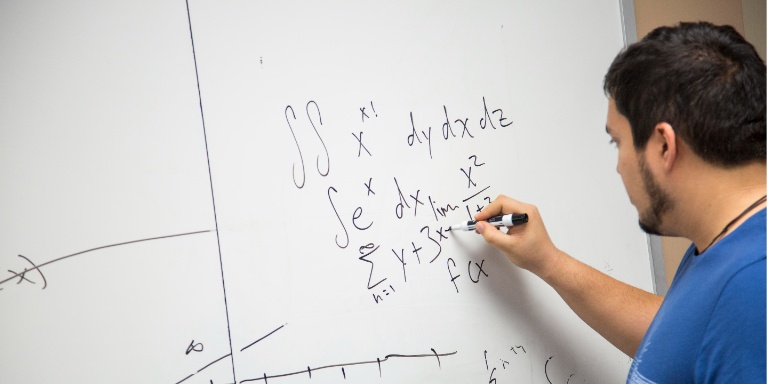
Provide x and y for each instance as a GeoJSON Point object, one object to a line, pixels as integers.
{"type": "Point", "coordinates": [711, 326]}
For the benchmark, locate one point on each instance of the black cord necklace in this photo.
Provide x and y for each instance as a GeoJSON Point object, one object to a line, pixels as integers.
{"type": "Point", "coordinates": [735, 219]}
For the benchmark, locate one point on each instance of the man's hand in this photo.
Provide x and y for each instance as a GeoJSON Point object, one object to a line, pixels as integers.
{"type": "Point", "coordinates": [528, 246]}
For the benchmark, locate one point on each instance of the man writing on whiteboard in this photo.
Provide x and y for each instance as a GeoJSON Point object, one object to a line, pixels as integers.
{"type": "Point", "coordinates": [686, 111]}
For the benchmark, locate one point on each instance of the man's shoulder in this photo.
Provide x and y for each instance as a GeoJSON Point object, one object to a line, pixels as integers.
{"type": "Point", "coordinates": [744, 246]}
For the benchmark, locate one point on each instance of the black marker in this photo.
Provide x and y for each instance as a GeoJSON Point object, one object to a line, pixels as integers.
{"type": "Point", "coordinates": [497, 221]}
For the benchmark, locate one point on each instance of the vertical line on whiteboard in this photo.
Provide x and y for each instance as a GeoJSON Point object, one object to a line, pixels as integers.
{"type": "Point", "coordinates": [213, 197]}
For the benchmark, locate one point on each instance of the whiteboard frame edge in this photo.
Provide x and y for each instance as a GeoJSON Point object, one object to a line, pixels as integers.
{"type": "Point", "coordinates": [658, 276]}
{"type": "Point", "coordinates": [628, 21]}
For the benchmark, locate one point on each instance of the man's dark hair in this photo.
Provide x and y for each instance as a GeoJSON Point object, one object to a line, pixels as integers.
{"type": "Point", "coordinates": [706, 81]}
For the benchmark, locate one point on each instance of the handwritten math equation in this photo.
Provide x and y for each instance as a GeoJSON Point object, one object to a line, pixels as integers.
{"type": "Point", "coordinates": [411, 204]}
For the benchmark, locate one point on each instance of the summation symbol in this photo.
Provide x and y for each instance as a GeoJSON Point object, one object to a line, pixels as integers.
{"type": "Point", "coordinates": [365, 251]}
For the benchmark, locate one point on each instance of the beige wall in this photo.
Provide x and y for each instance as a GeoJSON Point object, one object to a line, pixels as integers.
{"type": "Point", "coordinates": [754, 23]}
{"type": "Point", "coordinates": [650, 14]}
{"type": "Point", "coordinates": [746, 16]}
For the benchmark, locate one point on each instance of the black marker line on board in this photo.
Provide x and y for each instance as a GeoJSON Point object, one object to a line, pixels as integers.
{"type": "Point", "coordinates": [185, 379]}
{"type": "Point", "coordinates": [545, 370]}
{"type": "Point", "coordinates": [263, 337]}
{"type": "Point", "coordinates": [203, 368]}
{"type": "Point", "coordinates": [378, 362]}
{"type": "Point", "coordinates": [213, 195]}
{"type": "Point", "coordinates": [327, 156]}
{"type": "Point", "coordinates": [437, 357]}
{"type": "Point", "coordinates": [301, 157]}
{"type": "Point", "coordinates": [37, 267]}
{"type": "Point", "coordinates": [213, 362]}
{"type": "Point", "coordinates": [473, 196]}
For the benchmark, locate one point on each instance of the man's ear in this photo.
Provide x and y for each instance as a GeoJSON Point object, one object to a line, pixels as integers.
{"type": "Point", "coordinates": [665, 142]}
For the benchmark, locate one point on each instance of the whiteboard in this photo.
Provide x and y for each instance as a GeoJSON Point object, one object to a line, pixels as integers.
{"type": "Point", "coordinates": [258, 191]}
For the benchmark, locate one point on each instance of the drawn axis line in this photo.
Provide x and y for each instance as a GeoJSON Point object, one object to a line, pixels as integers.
{"type": "Point", "coordinates": [37, 267]}
{"type": "Point", "coordinates": [378, 361]}
{"type": "Point", "coordinates": [229, 354]}
{"type": "Point", "coordinates": [213, 195]}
